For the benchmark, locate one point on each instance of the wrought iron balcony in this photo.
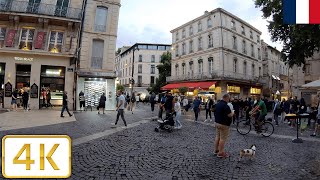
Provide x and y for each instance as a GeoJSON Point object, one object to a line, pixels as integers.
{"type": "Point", "coordinates": [41, 9]}
{"type": "Point", "coordinates": [216, 75]}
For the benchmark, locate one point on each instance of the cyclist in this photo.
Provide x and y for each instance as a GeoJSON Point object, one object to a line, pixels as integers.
{"type": "Point", "coordinates": [259, 112]}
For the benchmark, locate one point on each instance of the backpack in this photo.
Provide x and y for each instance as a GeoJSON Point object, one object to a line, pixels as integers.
{"type": "Point", "coordinates": [133, 99]}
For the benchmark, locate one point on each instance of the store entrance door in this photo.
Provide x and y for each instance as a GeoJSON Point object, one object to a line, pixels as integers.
{"type": "Point", "coordinates": [23, 72]}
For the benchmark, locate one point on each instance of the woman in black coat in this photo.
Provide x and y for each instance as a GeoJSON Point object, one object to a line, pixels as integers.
{"type": "Point", "coordinates": [208, 106]}
{"type": "Point", "coordinates": [102, 103]}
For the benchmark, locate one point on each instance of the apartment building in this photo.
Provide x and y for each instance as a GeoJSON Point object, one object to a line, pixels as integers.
{"type": "Point", "coordinates": [144, 66]}
{"type": "Point", "coordinates": [38, 41]}
{"type": "Point", "coordinates": [96, 74]}
{"type": "Point", "coordinates": [216, 53]}
{"type": "Point", "coordinates": [276, 73]}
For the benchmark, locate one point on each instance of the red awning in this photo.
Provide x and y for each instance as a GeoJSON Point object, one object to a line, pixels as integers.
{"type": "Point", "coordinates": [190, 85]}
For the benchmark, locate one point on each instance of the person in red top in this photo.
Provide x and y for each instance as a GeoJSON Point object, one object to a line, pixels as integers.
{"type": "Point", "coordinates": [44, 96]}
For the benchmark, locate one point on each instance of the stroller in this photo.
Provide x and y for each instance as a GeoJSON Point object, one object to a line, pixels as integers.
{"type": "Point", "coordinates": [166, 124]}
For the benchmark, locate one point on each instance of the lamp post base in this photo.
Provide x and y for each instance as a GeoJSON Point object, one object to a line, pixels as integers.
{"type": "Point", "coordinates": [298, 140]}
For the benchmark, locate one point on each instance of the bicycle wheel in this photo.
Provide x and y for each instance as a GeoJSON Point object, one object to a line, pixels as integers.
{"type": "Point", "coordinates": [243, 127]}
{"type": "Point", "coordinates": [267, 129]}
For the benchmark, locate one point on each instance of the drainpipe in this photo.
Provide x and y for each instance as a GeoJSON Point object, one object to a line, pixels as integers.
{"type": "Point", "coordinates": [80, 34]}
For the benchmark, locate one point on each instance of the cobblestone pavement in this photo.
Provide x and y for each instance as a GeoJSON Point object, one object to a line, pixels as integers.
{"type": "Point", "coordinates": [86, 123]}
{"type": "Point", "coordinates": [141, 153]}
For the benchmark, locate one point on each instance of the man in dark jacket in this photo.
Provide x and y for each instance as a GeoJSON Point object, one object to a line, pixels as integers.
{"type": "Point", "coordinates": [209, 106]}
{"type": "Point", "coordinates": [65, 104]}
{"type": "Point", "coordinates": [223, 118]}
{"type": "Point", "coordinates": [168, 104]}
{"type": "Point", "coordinates": [152, 102]}
{"type": "Point", "coordinates": [25, 99]}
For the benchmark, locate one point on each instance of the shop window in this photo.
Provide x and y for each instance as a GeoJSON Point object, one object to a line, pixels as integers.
{"type": "Point", "coordinates": [26, 39]}
{"type": "Point", "coordinates": [97, 54]}
{"type": "Point", "coordinates": [100, 23]}
{"type": "Point", "coordinates": [2, 36]}
{"type": "Point", "coordinates": [55, 42]}
{"type": "Point", "coordinates": [233, 89]}
{"type": "Point", "coordinates": [23, 73]}
{"type": "Point", "coordinates": [255, 91]}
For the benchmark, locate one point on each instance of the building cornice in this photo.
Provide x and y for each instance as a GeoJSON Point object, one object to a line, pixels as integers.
{"type": "Point", "coordinates": [215, 11]}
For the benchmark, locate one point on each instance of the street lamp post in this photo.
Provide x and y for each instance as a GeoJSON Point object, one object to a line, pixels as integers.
{"type": "Point", "coordinates": [132, 79]}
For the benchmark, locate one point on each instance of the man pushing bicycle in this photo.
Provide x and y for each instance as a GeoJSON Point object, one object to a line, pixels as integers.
{"type": "Point", "coordinates": [259, 113]}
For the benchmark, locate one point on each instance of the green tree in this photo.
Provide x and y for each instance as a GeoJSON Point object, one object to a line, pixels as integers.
{"type": "Point", "coordinates": [164, 71]}
{"type": "Point", "coordinates": [120, 87]}
{"type": "Point", "coordinates": [299, 41]}
{"type": "Point", "coordinates": [183, 90]}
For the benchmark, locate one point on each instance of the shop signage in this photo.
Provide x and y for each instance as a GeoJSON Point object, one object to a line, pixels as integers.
{"type": "Point", "coordinates": [34, 91]}
{"type": "Point", "coordinates": [70, 69]}
{"type": "Point", "coordinates": [39, 40]}
{"type": "Point", "coordinates": [23, 59]}
{"type": "Point", "coordinates": [10, 37]}
{"type": "Point", "coordinates": [8, 89]}
{"type": "Point", "coordinates": [96, 74]}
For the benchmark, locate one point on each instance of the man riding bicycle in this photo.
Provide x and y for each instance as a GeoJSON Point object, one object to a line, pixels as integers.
{"type": "Point", "coordinates": [259, 112]}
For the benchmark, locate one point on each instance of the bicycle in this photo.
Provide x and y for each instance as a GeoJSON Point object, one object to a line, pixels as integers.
{"type": "Point", "coordinates": [244, 127]}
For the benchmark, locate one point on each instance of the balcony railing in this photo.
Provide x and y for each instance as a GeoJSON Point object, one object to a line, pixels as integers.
{"type": "Point", "coordinates": [226, 75]}
{"type": "Point", "coordinates": [41, 9]}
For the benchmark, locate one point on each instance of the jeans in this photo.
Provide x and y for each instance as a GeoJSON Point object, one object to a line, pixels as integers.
{"type": "Point", "coordinates": [196, 113]}
{"type": "Point", "coordinates": [120, 113]}
{"type": "Point", "coordinates": [208, 111]}
{"type": "Point", "coordinates": [160, 113]}
{"type": "Point", "coordinates": [25, 105]}
{"type": "Point", "coordinates": [178, 123]}
{"type": "Point", "coordinates": [65, 107]}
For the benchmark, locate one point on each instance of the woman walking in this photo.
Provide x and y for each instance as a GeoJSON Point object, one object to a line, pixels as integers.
{"type": "Point", "coordinates": [177, 109]}
{"type": "Point", "coordinates": [25, 99]}
{"type": "Point", "coordinates": [102, 103]}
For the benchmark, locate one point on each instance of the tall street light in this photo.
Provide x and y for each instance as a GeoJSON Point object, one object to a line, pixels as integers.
{"type": "Point", "coordinates": [135, 47]}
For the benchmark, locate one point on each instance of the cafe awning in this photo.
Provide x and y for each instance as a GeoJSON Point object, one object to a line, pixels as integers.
{"type": "Point", "coordinates": [191, 85]}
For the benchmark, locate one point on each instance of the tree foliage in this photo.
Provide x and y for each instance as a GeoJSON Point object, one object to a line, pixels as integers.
{"type": "Point", "coordinates": [164, 71]}
{"type": "Point", "coordinates": [183, 90]}
{"type": "Point", "coordinates": [120, 87]}
{"type": "Point", "coordinates": [299, 41]}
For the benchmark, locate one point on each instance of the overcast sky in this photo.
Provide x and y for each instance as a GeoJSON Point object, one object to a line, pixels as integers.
{"type": "Point", "coordinates": [150, 21]}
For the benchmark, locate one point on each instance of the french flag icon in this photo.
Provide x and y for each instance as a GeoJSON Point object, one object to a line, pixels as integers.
{"type": "Point", "coordinates": [301, 11]}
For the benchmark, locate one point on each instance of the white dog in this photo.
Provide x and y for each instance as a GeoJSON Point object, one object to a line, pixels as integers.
{"type": "Point", "coordinates": [248, 152]}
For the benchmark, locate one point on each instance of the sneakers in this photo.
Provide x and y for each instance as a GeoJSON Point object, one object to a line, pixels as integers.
{"type": "Point", "coordinates": [114, 124]}
{"type": "Point", "coordinates": [216, 152]}
{"type": "Point", "coordinates": [313, 135]}
{"type": "Point", "coordinates": [223, 155]}
{"type": "Point", "coordinates": [124, 127]}
{"type": "Point", "coordinates": [206, 120]}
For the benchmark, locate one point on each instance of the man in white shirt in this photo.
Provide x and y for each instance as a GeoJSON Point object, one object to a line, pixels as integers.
{"type": "Point", "coordinates": [120, 108]}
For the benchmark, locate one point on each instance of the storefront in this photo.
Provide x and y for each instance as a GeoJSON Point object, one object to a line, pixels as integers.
{"type": "Point", "coordinates": [32, 72]}
{"type": "Point", "coordinates": [52, 79]}
{"type": "Point", "coordinates": [233, 90]}
{"type": "Point", "coordinates": [255, 92]}
{"type": "Point", "coordinates": [93, 84]}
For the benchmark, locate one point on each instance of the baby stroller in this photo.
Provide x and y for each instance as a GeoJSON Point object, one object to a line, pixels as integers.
{"type": "Point", "coordinates": [166, 124]}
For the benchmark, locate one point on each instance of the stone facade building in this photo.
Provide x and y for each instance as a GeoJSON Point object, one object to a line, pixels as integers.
{"type": "Point", "coordinates": [304, 75]}
{"type": "Point", "coordinates": [276, 74]}
{"type": "Point", "coordinates": [217, 53]}
{"type": "Point", "coordinates": [96, 74]}
{"type": "Point", "coordinates": [146, 58]}
{"type": "Point", "coordinates": [38, 41]}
